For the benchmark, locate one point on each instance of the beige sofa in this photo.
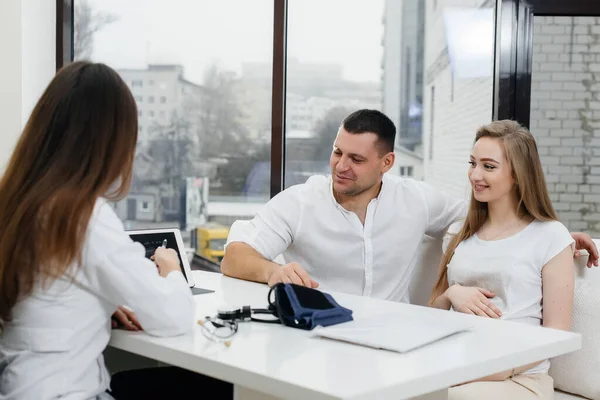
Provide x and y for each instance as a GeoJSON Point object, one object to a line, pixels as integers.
{"type": "Point", "coordinates": [577, 373]}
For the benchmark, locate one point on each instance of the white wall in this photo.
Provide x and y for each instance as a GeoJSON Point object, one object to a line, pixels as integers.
{"type": "Point", "coordinates": [565, 116]}
{"type": "Point", "coordinates": [27, 43]}
{"type": "Point", "coordinates": [10, 76]}
{"type": "Point", "coordinates": [455, 112]}
{"type": "Point", "coordinates": [38, 51]}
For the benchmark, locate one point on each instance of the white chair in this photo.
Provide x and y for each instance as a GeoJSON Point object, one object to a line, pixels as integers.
{"type": "Point", "coordinates": [576, 374]}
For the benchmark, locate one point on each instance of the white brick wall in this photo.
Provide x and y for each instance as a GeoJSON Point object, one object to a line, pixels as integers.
{"type": "Point", "coordinates": [459, 108]}
{"type": "Point", "coordinates": [565, 115]}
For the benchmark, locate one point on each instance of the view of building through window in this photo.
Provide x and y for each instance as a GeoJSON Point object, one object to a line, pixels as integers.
{"type": "Point", "coordinates": [380, 63]}
{"type": "Point", "coordinates": [204, 126]}
{"type": "Point", "coordinates": [457, 88]}
{"type": "Point", "coordinates": [201, 76]}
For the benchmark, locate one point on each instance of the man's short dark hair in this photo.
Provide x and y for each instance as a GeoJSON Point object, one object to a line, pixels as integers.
{"type": "Point", "coordinates": [373, 121]}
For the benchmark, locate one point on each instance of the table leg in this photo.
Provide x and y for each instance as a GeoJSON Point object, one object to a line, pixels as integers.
{"type": "Point", "coordinates": [439, 395]}
{"type": "Point", "coordinates": [244, 393]}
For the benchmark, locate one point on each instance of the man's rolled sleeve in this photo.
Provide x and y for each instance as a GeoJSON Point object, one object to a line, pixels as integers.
{"type": "Point", "coordinates": [443, 210]}
{"type": "Point", "coordinates": [272, 230]}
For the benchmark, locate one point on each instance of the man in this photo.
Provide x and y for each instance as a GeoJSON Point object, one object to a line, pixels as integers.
{"type": "Point", "coordinates": [357, 232]}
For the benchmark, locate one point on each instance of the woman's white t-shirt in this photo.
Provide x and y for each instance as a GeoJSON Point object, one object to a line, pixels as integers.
{"type": "Point", "coordinates": [511, 268]}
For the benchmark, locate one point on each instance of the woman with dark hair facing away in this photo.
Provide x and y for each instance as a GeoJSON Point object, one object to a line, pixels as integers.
{"type": "Point", "coordinates": [66, 263]}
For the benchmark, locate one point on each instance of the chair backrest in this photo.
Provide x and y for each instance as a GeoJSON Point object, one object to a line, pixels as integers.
{"type": "Point", "coordinates": [577, 372]}
{"type": "Point", "coordinates": [425, 273]}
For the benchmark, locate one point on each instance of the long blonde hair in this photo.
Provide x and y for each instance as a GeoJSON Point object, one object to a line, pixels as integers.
{"type": "Point", "coordinates": [533, 200]}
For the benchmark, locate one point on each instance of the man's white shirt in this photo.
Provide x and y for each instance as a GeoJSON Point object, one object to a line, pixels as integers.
{"type": "Point", "coordinates": [305, 224]}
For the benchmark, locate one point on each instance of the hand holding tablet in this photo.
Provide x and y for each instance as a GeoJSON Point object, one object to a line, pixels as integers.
{"type": "Point", "coordinates": [156, 241]}
{"type": "Point", "coordinates": [166, 260]}
{"type": "Point", "coordinates": [159, 242]}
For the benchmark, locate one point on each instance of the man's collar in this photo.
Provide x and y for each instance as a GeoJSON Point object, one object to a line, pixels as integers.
{"type": "Point", "coordinates": [384, 179]}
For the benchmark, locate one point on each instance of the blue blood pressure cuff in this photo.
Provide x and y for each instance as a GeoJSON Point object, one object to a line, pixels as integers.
{"type": "Point", "coordinates": [305, 308]}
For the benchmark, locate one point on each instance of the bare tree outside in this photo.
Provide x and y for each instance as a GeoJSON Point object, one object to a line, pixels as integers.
{"type": "Point", "coordinates": [221, 130]}
{"type": "Point", "coordinates": [204, 105]}
{"type": "Point", "coordinates": [224, 138]}
{"type": "Point", "coordinates": [87, 22]}
{"type": "Point", "coordinates": [326, 131]}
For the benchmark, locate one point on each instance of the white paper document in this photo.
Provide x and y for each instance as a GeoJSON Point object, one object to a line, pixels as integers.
{"type": "Point", "coordinates": [395, 332]}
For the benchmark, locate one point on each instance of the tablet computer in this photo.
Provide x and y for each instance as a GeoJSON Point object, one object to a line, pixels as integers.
{"type": "Point", "coordinates": [151, 239]}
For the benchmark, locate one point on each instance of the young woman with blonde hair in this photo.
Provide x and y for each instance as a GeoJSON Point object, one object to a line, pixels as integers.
{"type": "Point", "coordinates": [511, 259]}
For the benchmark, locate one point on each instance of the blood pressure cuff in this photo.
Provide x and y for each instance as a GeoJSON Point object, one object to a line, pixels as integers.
{"type": "Point", "coordinates": [305, 308]}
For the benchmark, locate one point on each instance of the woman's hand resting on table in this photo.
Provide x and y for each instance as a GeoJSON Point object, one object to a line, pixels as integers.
{"type": "Point", "coordinates": [125, 318]}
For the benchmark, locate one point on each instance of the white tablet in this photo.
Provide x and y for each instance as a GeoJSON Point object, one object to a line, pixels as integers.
{"type": "Point", "coordinates": [153, 238]}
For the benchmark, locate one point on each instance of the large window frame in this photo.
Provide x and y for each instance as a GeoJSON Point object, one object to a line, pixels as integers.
{"type": "Point", "coordinates": [512, 65]}
{"type": "Point", "coordinates": [515, 30]}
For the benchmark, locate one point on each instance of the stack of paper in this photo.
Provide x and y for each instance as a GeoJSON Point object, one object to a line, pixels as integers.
{"type": "Point", "coordinates": [394, 332]}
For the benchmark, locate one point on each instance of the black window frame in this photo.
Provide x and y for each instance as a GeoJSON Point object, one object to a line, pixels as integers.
{"type": "Point", "coordinates": [512, 61]}
{"type": "Point", "coordinates": [514, 35]}
{"type": "Point", "coordinates": [65, 17]}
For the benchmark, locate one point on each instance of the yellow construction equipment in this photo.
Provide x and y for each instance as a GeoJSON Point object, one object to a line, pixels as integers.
{"type": "Point", "coordinates": [211, 240]}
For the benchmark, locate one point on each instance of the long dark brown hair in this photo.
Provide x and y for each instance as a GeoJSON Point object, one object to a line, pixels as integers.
{"type": "Point", "coordinates": [532, 195]}
{"type": "Point", "coordinates": [78, 146]}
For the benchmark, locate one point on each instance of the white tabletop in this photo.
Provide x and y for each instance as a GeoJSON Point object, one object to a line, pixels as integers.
{"type": "Point", "coordinates": [289, 363]}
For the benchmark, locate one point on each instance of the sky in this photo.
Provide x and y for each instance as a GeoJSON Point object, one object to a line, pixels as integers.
{"type": "Point", "coordinates": [196, 33]}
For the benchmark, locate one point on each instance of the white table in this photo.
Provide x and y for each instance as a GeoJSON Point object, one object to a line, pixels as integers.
{"type": "Point", "coordinates": [288, 363]}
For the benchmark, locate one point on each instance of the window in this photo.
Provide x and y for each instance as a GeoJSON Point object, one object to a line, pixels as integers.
{"type": "Point", "coordinates": [324, 84]}
{"type": "Point", "coordinates": [431, 121]}
{"type": "Point", "coordinates": [138, 99]}
{"type": "Point", "coordinates": [217, 244]}
{"type": "Point", "coordinates": [406, 87]}
{"type": "Point", "coordinates": [211, 141]}
{"type": "Point", "coordinates": [451, 86]}
{"type": "Point", "coordinates": [406, 171]}
{"type": "Point", "coordinates": [144, 206]}
{"type": "Point", "coordinates": [414, 60]}
{"type": "Point", "coordinates": [217, 125]}
{"type": "Point", "coordinates": [458, 87]}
